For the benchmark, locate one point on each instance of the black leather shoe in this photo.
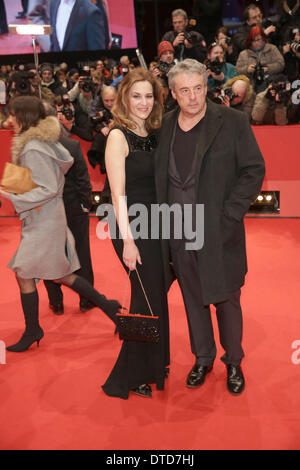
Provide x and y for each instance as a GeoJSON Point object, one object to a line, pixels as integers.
{"type": "Point", "coordinates": [20, 15]}
{"type": "Point", "coordinates": [86, 306]}
{"type": "Point", "coordinates": [235, 380]}
{"type": "Point", "coordinates": [57, 309]}
{"type": "Point", "coordinates": [197, 375]}
{"type": "Point", "coordinates": [143, 391]}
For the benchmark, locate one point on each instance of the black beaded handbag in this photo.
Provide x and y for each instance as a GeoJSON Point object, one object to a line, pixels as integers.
{"type": "Point", "coordinates": [136, 326]}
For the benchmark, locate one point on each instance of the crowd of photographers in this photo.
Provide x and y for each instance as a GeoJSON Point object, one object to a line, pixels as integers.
{"type": "Point", "coordinates": [255, 70]}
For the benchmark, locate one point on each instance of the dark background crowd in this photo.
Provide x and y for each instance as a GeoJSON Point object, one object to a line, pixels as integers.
{"type": "Point", "coordinates": [253, 65]}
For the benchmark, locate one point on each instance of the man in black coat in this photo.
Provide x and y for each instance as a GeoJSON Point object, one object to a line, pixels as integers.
{"type": "Point", "coordinates": [78, 25]}
{"type": "Point", "coordinates": [208, 158]}
{"type": "Point", "coordinates": [77, 201]}
{"type": "Point", "coordinates": [186, 43]}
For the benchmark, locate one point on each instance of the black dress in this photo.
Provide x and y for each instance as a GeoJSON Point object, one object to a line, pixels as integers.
{"type": "Point", "coordinates": [139, 363]}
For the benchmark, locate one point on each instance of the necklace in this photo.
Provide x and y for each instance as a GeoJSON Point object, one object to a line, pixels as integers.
{"type": "Point", "coordinates": [292, 11]}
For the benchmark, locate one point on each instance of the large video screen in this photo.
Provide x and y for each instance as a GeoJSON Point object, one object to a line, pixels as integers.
{"type": "Point", "coordinates": [77, 25]}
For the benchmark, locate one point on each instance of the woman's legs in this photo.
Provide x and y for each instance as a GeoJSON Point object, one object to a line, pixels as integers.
{"type": "Point", "coordinates": [85, 289]}
{"type": "Point", "coordinates": [30, 304]}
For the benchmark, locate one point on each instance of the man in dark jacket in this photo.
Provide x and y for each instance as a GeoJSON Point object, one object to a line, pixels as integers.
{"type": "Point", "coordinates": [254, 17]}
{"type": "Point", "coordinates": [186, 43]}
{"type": "Point", "coordinates": [78, 25]}
{"type": "Point", "coordinates": [208, 158]}
{"type": "Point", "coordinates": [77, 201]}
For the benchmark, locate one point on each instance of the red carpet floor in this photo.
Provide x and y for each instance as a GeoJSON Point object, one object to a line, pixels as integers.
{"type": "Point", "coordinates": [50, 398]}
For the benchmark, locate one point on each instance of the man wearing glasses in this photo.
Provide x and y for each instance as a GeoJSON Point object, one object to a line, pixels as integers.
{"type": "Point", "coordinates": [253, 17]}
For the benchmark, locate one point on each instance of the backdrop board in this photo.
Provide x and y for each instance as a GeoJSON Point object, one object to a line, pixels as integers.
{"type": "Point", "coordinates": [79, 25]}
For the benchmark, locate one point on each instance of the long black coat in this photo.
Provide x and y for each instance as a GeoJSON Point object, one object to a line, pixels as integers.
{"type": "Point", "coordinates": [229, 174]}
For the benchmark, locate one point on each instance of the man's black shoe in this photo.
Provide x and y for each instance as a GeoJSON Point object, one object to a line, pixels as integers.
{"type": "Point", "coordinates": [20, 15]}
{"type": "Point", "coordinates": [235, 379]}
{"type": "Point", "coordinates": [197, 375]}
{"type": "Point", "coordinates": [85, 306]}
{"type": "Point", "coordinates": [57, 309]}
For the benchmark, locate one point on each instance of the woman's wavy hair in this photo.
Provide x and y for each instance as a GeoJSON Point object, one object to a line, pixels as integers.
{"type": "Point", "coordinates": [255, 31]}
{"type": "Point", "coordinates": [28, 111]}
{"type": "Point", "coordinates": [121, 111]}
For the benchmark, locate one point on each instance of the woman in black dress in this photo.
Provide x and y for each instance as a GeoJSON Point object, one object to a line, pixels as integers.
{"type": "Point", "coordinates": [130, 168]}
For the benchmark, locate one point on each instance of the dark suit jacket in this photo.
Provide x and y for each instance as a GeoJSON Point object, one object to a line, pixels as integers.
{"type": "Point", "coordinates": [229, 174]}
{"type": "Point", "coordinates": [77, 189]}
{"type": "Point", "coordinates": [87, 28]}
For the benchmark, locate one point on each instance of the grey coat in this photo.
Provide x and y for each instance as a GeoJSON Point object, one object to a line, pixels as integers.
{"type": "Point", "coordinates": [47, 249]}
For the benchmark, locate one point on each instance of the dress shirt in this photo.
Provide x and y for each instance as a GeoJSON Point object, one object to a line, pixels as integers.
{"type": "Point", "coordinates": [63, 15]}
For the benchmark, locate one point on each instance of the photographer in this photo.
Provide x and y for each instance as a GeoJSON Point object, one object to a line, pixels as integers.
{"type": "Point", "coordinates": [165, 53]}
{"type": "Point", "coordinates": [223, 37]}
{"type": "Point", "coordinates": [218, 70]}
{"type": "Point", "coordinates": [187, 44]}
{"type": "Point", "coordinates": [83, 98]}
{"type": "Point", "coordinates": [271, 105]}
{"type": "Point", "coordinates": [48, 80]}
{"type": "Point", "coordinates": [237, 93]}
{"type": "Point", "coordinates": [259, 60]}
{"type": "Point", "coordinates": [254, 17]}
{"type": "Point", "coordinates": [66, 114]}
{"type": "Point", "coordinates": [102, 122]}
{"type": "Point", "coordinates": [291, 54]}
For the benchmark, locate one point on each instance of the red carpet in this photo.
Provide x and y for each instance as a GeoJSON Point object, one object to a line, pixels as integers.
{"type": "Point", "coordinates": [50, 398]}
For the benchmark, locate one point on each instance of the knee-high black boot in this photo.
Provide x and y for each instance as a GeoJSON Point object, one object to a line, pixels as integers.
{"type": "Point", "coordinates": [84, 288]}
{"type": "Point", "coordinates": [33, 332]}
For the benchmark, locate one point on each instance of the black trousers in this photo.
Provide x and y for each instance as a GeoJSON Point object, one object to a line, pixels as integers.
{"type": "Point", "coordinates": [79, 224]}
{"type": "Point", "coordinates": [229, 313]}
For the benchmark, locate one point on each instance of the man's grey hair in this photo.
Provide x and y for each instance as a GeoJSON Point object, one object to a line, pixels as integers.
{"type": "Point", "coordinates": [179, 12]}
{"type": "Point", "coordinates": [187, 66]}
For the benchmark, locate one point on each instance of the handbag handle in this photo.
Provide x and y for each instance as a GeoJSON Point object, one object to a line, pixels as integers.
{"type": "Point", "coordinates": [143, 289]}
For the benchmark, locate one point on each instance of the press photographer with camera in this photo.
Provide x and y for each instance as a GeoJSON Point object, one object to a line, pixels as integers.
{"type": "Point", "coordinates": [165, 53]}
{"type": "Point", "coordinates": [237, 93]}
{"type": "Point", "coordinates": [66, 114]}
{"type": "Point", "coordinates": [187, 42]}
{"type": "Point", "coordinates": [223, 37]}
{"type": "Point", "coordinates": [102, 122]}
{"type": "Point", "coordinates": [259, 60]}
{"type": "Point", "coordinates": [218, 70]}
{"type": "Point", "coordinates": [83, 98]}
{"type": "Point", "coordinates": [291, 54]}
{"type": "Point", "coordinates": [49, 81]}
{"type": "Point", "coordinates": [271, 105]}
{"type": "Point", "coordinates": [253, 17]}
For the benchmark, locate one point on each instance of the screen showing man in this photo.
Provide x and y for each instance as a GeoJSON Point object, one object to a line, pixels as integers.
{"type": "Point", "coordinates": [77, 25]}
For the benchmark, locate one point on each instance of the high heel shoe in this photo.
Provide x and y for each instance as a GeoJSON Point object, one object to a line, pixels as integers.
{"type": "Point", "coordinates": [143, 391]}
{"type": "Point", "coordinates": [26, 341]}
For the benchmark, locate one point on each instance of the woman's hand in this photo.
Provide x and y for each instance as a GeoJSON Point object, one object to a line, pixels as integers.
{"type": "Point", "coordinates": [131, 254]}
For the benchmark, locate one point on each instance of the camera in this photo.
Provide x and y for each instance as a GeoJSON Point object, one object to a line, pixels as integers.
{"type": "Point", "coordinates": [86, 84]}
{"type": "Point", "coordinates": [295, 46]}
{"type": "Point", "coordinates": [22, 83]}
{"type": "Point", "coordinates": [164, 68]}
{"type": "Point", "coordinates": [102, 118]}
{"type": "Point", "coordinates": [67, 110]}
{"type": "Point", "coordinates": [282, 89]}
{"type": "Point", "coordinates": [221, 93]}
{"type": "Point", "coordinates": [228, 41]}
{"type": "Point", "coordinates": [215, 65]}
{"type": "Point", "coordinates": [258, 74]}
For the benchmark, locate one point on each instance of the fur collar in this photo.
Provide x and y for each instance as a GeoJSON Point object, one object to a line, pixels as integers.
{"type": "Point", "coordinates": [47, 130]}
